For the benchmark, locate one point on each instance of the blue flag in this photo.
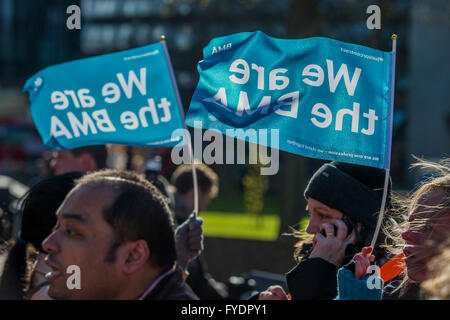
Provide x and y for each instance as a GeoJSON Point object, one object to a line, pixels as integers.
{"type": "Point", "coordinates": [327, 99]}
{"type": "Point", "coordinates": [128, 97]}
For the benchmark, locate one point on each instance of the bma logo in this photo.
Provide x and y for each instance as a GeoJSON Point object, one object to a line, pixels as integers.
{"type": "Point", "coordinates": [226, 46]}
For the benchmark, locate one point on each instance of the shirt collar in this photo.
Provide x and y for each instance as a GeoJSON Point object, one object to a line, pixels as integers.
{"type": "Point", "coordinates": [155, 283]}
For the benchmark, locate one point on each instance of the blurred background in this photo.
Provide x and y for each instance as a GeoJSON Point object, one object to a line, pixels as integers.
{"type": "Point", "coordinates": [251, 210]}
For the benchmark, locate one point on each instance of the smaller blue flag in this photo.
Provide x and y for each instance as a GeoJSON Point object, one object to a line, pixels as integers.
{"type": "Point", "coordinates": [324, 98]}
{"type": "Point", "coordinates": [127, 97]}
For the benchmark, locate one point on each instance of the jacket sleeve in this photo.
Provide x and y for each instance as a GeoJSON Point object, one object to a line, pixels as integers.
{"type": "Point", "coordinates": [313, 279]}
{"type": "Point", "coordinates": [201, 282]}
{"type": "Point", "coordinates": [351, 288]}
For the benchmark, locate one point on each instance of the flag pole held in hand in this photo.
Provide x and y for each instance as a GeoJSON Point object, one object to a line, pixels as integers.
{"type": "Point", "coordinates": [188, 140]}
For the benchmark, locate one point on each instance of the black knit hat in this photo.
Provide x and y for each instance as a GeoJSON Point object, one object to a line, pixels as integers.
{"type": "Point", "coordinates": [354, 190]}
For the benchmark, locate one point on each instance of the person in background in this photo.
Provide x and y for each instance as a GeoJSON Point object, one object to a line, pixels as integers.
{"type": "Point", "coordinates": [208, 187]}
{"type": "Point", "coordinates": [23, 275]}
{"type": "Point", "coordinates": [84, 159]}
{"type": "Point", "coordinates": [199, 279]}
{"type": "Point", "coordinates": [421, 237]}
{"type": "Point", "coordinates": [153, 166]}
{"type": "Point", "coordinates": [437, 285]}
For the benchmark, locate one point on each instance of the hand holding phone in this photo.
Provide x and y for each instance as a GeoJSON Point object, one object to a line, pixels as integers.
{"type": "Point", "coordinates": [332, 246]}
{"type": "Point", "coordinates": [347, 222]}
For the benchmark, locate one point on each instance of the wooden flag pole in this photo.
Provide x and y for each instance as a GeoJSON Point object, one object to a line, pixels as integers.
{"type": "Point", "coordinates": [387, 170]}
{"type": "Point", "coordinates": [186, 137]}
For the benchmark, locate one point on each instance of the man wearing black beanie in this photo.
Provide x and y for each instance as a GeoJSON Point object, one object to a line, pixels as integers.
{"type": "Point", "coordinates": [337, 192]}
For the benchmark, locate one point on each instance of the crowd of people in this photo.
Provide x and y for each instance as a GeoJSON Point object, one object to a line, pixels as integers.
{"type": "Point", "coordinates": [131, 240]}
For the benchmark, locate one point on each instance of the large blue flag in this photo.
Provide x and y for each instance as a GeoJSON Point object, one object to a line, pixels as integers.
{"type": "Point", "coordinates": [128, 97]}
{"type": "Point", "coordinates": [327, 99]}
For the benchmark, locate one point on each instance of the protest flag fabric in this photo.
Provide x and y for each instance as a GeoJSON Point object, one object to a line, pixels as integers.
{"type": "Point", "coordinates": [126, 97]}
{"type": "Point", "coordinates": [393, 268]}
{"type": "Point", "coordinates": [327, 99]}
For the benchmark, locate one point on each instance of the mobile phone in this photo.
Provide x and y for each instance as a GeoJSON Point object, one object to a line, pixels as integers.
{"type": "Point", "coordinates": [347, 222]}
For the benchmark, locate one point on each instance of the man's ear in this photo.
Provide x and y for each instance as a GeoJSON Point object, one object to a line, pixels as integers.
{"type": "Point", "coordinates": [87, 162]}
{"type": "Point", "coordinates": [136, 254]}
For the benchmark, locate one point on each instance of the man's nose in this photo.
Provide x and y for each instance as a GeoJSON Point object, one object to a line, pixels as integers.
{"type": "Point", "coordinates": [50, 244]}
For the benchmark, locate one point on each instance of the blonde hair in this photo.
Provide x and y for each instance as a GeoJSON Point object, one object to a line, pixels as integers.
{"type": "Point", "coordinates": [437, 287]}
{"type": "Point", "coordinates": [438, 182]}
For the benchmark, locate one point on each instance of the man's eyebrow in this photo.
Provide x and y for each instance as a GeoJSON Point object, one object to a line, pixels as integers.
{"type": "Point", "coordinates": [74, 216]}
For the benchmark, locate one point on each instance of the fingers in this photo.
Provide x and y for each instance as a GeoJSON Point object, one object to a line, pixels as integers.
{"type": "Point", "coordinates": [329, 229]}
{"type": "Point", "coordinates": [359, 269]}
{"type": "Point", "coordinates": [351, 238]}
{"type": "Point", "coordinates": [266, 295]}
{"type": "Point", "coordinates": [195, 237]}
{"type": "Point", "coordinates": [366, 251]}
{"type": "Point", "coordinates": [341, 228]}
{"type": "Point", "coordinates": [362, 262]}
{"type": "Point", "coordinates": [193, 216]}
{"type": "Point", "coordinates": [318, 237]}
{"type": "Point", "coordinates": [196, 242]}
{"type": "Point", "coordinates": [278, 292]}
{"type": "Point", "coordinates": [194, 221]}
{"type": "Point", "coordinates": [273, 293]}
{"type": "Point", "coordinates": [195, 231]}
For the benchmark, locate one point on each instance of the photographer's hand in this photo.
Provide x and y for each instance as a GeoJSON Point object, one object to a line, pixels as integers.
{"type": "Point", "coordinates": [332, 248]}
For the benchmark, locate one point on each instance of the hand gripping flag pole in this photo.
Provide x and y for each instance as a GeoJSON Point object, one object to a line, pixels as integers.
{"type": "Point", "coordinates": [388, 145]}
{"type": "Point", "coordinates": [187, 139]}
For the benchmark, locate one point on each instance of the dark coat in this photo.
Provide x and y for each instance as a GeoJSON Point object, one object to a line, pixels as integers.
{"type": "Point", "coordinates": [201, 282]}
{"type": "Point", "coordinates": [316, 279]}
{"type": "Point", "coordinates": [313, 279]}
{"type": "Point", "coordinates": [172, 287]}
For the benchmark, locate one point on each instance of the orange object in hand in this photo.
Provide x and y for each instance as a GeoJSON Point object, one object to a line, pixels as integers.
{"type": "Point", "coordinates": [394, 267]}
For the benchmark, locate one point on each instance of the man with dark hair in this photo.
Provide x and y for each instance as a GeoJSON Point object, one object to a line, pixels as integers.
{"type": "Point", "coordinates": [84, 159]}
{"type": "Point", "coordinates": [208, 185]}
{"type": "Point", "coordinates": [204, 286]}
{"type": "Point", "coordinates": [117, 229]}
